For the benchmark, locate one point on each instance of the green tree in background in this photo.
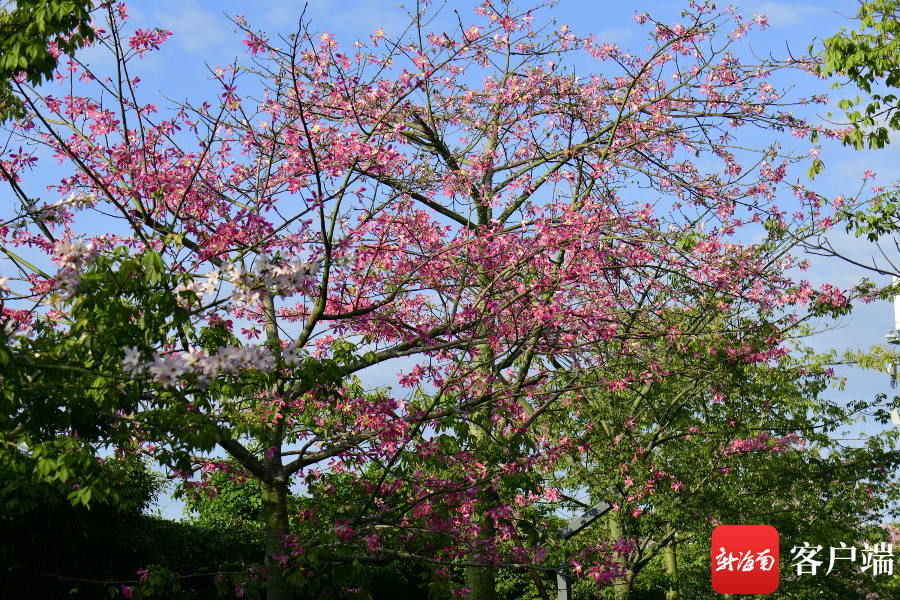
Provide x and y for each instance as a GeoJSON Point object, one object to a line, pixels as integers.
{"type": "Point", "coordinates": [228, 498]}
{"type": "Point", "coordinates": [867, 57]}
{"type": "Point", "coordinates": [764, 446]}
{"type": "Point", "coordinates": [50, 547]}
{"type": "Point", "coordinates": [33, 34]}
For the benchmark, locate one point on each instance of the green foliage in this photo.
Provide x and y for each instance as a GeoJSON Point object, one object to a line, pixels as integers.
{"type": "Point", "coordinates": [881, 218]}
{"type": "Point", "coordinates": [65, 396]}
{"type": "Point", "coordinates": [50, 547]}
{"type": "Point", "coordinates": [137, 488]}
{"type": "Point", "coordinates": [867, 57]}
{"type": "Point", "coordinates": [69, 378]}
{"type": "Point", "coordinates": [27, 28]}
{"type": "Point", "coordinates": [515, 584]}
{"type": "Point", "coordinates": [226, 500]}
{"type": "Point", "coordinates": [229, 499]}
{"type": "Point", "coordinates": [685, 453]}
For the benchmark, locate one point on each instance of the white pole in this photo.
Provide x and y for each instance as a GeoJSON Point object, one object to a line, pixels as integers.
{"type": "Point", "coordinates": [896, 307]}
{"type": "Point", "coordinates": [563, 581]}
{"type": "Point", "coordinates": [563, 586]}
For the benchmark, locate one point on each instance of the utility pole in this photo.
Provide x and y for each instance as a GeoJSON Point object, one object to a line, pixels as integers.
{"type": "Point", "coordinates": [563, 583]}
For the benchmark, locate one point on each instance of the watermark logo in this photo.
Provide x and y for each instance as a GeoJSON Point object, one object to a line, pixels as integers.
{"type": "Point", "coordinates": [745, 559]}
{"type": "Point", "coordinates": [875, 559]}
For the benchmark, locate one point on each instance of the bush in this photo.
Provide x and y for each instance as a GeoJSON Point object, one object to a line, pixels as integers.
{"type": "Point", "coordinates": [50, 547]}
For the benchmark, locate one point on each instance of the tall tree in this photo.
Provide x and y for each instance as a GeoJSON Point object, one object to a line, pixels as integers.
{"type": "Point", "coordinates": [382, 210]}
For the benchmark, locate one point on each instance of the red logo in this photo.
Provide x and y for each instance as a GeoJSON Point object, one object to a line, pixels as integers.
{"type": "Point", "coordinates": [745, 559]}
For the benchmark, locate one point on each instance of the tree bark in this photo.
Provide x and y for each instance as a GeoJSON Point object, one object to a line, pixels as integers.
{"type": "Point", "coordinates": [274, 490]}
{"type": "Point", "coordinates": [274, 498]}
{"type": "Point", "coordinates": [481, 580]}
{"type": "Point", "coordinates": [671, 569]}
{"type": "Point", "coordinates": [622, 585]}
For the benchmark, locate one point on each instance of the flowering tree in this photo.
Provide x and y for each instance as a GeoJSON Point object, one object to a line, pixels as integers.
{"type": "Point", "coordinates": [451, 203]}
{"type": "Point", "coordinates": [732, 443]}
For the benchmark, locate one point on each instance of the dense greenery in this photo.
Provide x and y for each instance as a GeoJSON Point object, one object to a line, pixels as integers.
{"type": "Point", "coordinates": [867, 57]}
{"type": "Point", "coordinates": [50, 547]}
{"type": "Point", "coordinates": [679, 462]}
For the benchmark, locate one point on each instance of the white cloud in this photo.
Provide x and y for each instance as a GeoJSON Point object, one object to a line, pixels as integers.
{"type": "Point", "coordinates": [363, 18]}
{"type": "Point", "coordinates": [614, 36]}
{"type": "Point", "coordinates": [196, 30]}
{"type": "Point", "coordinates": [790, 15]}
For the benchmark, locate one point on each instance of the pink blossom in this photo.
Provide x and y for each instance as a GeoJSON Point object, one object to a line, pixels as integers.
{"type": "Point", "coordinates": [255, 44]}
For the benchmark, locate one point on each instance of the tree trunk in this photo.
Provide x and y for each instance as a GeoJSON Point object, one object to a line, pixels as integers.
{"type": "Point", "coordinates": [274, 490]}
{"type": "Point", "coordinates": [482, 584]}
{"type": "Point", "coordinates": [274, 500]}
{"type": "Point", "coordinates": [622, 585]}
{"type": "Point", "coordinates": [481, 580]}
{"type": "Point", "coordinates": [671, 569]}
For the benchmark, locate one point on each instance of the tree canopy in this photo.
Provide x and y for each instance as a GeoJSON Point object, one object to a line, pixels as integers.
{"type": "Point", "coordinates": [535, 252]}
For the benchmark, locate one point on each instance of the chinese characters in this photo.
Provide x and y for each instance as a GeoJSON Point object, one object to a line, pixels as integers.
{"type": "Point", "coordinates": [877, 559]}
{"type": "Point", "coordinates": [745, 560]}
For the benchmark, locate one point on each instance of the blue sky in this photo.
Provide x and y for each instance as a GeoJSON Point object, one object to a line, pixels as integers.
{"type": "Point", "coordinates": [203, 38]}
